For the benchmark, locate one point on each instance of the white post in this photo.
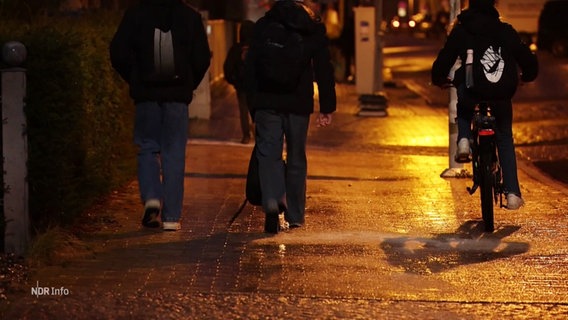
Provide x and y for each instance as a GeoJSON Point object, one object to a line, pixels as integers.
{"type": "Point", "coordinates": [14, 150]}
{"type": "Point", "coordinates": [455, 170]}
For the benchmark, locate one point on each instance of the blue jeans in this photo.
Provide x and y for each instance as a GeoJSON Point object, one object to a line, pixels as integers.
{"type": "Point", "coordinates": [161, 132]}
{"type": "Point", "coordinates": [503, 112]}
{"type": "Point", "coordinates": [285, 184]}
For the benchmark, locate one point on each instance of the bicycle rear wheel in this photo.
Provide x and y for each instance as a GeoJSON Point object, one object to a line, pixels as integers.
{"type": "Point", "coordinates": [486, 188]}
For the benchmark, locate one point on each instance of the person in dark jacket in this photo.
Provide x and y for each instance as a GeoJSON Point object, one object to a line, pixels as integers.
{"type": "Point", "coordinates": [234, 71]}
{"type": "Point", "coordinates": [347, 45]}
{"type": "Point", "coordinates": [286, 116]}
{"type": "Point", "coordinates": [481, 18]}
{"type": "Point", "coordinates": [161, 50]}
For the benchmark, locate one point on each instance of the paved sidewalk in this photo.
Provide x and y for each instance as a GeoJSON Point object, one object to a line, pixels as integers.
{"type": "Point", "coordinates": [385, 236]}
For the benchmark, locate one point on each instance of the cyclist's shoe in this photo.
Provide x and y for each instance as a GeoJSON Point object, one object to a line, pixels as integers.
{"type": "Point", "coordinates": [463, 154]}
{"type": "Point", "coordinates": [514, 202]}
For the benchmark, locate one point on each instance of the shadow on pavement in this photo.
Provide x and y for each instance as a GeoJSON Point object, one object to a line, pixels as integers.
{"type": "Point", "coordinates": [468, 245]}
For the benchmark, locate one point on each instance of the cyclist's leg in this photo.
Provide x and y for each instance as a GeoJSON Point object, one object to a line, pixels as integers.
{"type": "Point", "coordinates": [503, 112]}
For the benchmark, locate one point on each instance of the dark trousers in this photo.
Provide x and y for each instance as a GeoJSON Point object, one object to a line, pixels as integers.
{"type": "Point", "coordinates": [503, 112]}
{"type": "Point", "coordinates": [284, 183]}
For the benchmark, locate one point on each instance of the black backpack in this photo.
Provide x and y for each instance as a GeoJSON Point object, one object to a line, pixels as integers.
{"type": "Point", "coordinates": [253, 191]}
{"type": "Point", "coordinates": [252, 188]}
{"type": "Point", "coordinates": [281, 58]}
{"type": "Point", "coordinates": [163, 55]}
{"type": "Point", "coordinates": [494, 68]}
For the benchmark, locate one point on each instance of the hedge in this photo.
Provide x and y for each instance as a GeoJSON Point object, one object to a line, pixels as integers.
{"type": "Point", "coordinates": [79, 115]}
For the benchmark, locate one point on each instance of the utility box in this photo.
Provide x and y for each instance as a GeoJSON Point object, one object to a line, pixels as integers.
{"type": "Point", "coordinates": [368, 61]}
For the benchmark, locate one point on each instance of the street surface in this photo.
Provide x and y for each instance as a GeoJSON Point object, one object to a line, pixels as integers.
{"type": "Point", "coordinates": [385, 238]}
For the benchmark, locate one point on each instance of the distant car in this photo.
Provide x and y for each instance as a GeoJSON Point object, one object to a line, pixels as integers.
{"type": "Point", "coordinates": [399, 23]}
{"type": "Point", "coordinates": [422, 23]}
{"type": "Point", "coordinates": [553, 29]}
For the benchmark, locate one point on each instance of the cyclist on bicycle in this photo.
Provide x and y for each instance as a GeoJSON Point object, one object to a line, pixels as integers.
{"type": "Point", "coordinates": [482, 19]}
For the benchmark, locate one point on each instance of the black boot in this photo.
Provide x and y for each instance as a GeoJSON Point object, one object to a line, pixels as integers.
{"type": "Point", "coordinates": [271, 223]}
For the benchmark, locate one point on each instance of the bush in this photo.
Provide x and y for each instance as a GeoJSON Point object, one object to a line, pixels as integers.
{"type": "Point", "coordinates": [80, 118]}
{"type": "Point", "coordinates": [27, 9]}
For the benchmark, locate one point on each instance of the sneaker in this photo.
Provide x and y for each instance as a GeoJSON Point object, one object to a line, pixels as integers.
{"type": "Point", "coordinates": [151, 213]}
{"type": "Point", "coordinates": [463, 152]}
{"type": "Point", "coordinates": [171, 226]}
{"type": "Point", "coordinates": [514, 202]}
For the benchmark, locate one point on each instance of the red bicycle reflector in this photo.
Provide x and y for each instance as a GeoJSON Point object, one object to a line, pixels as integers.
{"type": "Point", "coordinates": [486, 132]}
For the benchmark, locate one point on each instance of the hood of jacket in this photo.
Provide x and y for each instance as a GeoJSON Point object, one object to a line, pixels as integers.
{"type": "Point", "coordinates": [162, 12]}
{"type": "Point", "coordinates": [294, 15]}
{"type": "Point", "coordinates": [480, 20]}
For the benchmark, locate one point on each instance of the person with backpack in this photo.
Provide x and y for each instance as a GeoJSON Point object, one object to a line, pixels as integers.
{"type": "Point", "coordinates": [288, 52]}
{"type": "Point", "coordinates": [494, 51]}
{"type": "Point", "coordinates": [234, 71]}
{"type": "Point", "coordinates": [161, 50]}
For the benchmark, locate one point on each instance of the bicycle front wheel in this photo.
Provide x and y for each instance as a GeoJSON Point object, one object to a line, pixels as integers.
{"type": "Point", "coordinates": [486, 189]}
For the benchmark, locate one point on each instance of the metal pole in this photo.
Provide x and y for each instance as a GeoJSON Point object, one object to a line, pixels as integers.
{"type": "Point", "coordinates": [455, 169]}
{"type": "Point", "coordinates": [14, 150]}
{"type": "Point", "coordinates": [379, 47]}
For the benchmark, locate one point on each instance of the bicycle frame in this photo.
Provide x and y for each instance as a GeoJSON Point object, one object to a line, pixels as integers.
{"type": "Point", "coordinates": [487, 174]}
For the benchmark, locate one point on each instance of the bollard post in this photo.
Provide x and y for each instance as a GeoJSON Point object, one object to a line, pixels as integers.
{"type": "Point", "coordinates": [14, 150]}
{"type": "Point", "coordinates": [455, 170]}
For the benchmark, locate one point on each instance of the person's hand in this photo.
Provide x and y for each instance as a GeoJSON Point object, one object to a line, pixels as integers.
{"type": "Point", "coordinates": [446, 84]}
{"type": "Point", "coordinates": [324, 119]}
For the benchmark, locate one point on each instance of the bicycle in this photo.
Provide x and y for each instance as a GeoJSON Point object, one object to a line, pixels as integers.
{"type": "Point", "coordinates": [487, 175]}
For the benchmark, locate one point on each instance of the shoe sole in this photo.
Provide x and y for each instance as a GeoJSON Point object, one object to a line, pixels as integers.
{"type": "Point", "coordinates": [171, 226]}
{"type": "Point", "coordinates": [150, 219]}
{"type": "Point", "coordinates": [462, 158]}
{"type": "Point", "coordinates": [515, 207]}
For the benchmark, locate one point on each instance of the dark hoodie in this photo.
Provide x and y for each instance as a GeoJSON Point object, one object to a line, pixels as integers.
{"type": "Point", "coordinates": [302, 20]}
{"type": "Point", "coordinates": [481, 19]}
{"type": "Point", "coordinates": [131, 49]}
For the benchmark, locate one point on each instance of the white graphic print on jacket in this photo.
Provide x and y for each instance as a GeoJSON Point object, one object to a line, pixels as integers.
{"type": "Point", "coordinates": [493, 64]}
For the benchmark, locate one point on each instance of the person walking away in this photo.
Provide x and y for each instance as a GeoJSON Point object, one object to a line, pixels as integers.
{"type": "Point", "coordinates": [347, 45]}
{"type": "Point", "coordinates": [160, 49]}
{"type": "Point", "coordinates": [289, 51]}
{"type": "Point", "coordinates": [480, 24]}
{"type": "Point", "coordinates": [234, 70]}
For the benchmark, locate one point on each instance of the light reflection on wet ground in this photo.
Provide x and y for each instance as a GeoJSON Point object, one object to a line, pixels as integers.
{"type": "Point", "coordinates": [385, 237]}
